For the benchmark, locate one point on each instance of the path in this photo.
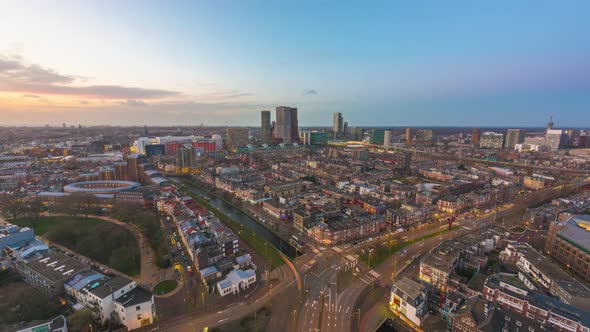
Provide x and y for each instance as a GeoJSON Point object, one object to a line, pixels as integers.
{"type": "Point", "coordinates": [150, 275]}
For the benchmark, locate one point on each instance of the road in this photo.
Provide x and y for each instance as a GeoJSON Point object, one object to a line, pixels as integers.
{"type": "Point", "coordinates": [320, 307]}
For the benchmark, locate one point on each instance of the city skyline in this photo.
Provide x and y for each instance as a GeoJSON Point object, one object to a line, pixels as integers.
{"type": "Point", "coordinates": [222, 63]}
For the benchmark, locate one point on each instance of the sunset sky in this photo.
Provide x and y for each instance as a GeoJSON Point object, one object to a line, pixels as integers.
{"type": "Point", "coordinates": [398, 63]}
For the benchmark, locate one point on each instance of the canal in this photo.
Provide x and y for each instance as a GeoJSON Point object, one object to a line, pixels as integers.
{"type": "Point", "coordinates": [247, 221]}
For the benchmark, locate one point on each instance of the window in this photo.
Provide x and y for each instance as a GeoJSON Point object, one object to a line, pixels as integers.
{"type": "Point", "coordinates": [138, 308]}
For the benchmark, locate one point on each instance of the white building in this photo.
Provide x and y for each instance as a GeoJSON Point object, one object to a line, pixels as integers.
{"type": "Point", "coordinates": [408, 298]}
{"type": "Point", "coordinates": [555, 139]}
{"type": "Point", "coordinates": [235, 281]}
{"type": "Point", "coordinates": [135, 309]}
{"type": "Point", "coordinates": [115, 299]}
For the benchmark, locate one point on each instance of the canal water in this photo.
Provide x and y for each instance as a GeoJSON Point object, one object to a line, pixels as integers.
{"type": "Point", "coordinates": [248, 222]}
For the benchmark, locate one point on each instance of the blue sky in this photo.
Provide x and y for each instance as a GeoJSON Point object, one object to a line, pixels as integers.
{"type": "Point", "coordinates": [464, 63]}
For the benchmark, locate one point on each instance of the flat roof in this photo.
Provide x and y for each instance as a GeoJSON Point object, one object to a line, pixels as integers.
{"type": "Point", "coordinates": [407, 286]}
{"type": "Point", "coordinates": [134, 297]}
{"type": "Point", "coordinates": [56, 266]}
{"type": "Point", "coordinates": [577, 231]}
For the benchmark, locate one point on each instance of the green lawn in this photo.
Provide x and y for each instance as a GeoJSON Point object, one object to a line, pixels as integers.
{"type": "Point", "coordinates": [165, 287]}
{"type": "Point", "coordinates": [258, 244]}
{"type": "Point", "coordinates": [105, 242]}
{"type": "Point", "coordinates": [383, 252]}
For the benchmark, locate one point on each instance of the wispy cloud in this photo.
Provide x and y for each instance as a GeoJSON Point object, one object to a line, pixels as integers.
{"type": "Point", "coordinates": [134, 103]}
{"type": "Point", "coordinates": [17, 76]}
{"type": "Point", "coordinates": [309, 92]}
{"type": "Point", "coordinates": [31, 96]}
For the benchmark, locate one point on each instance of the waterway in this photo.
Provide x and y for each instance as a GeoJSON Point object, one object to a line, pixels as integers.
{"type": "Point", "coordinates": [248, 222]}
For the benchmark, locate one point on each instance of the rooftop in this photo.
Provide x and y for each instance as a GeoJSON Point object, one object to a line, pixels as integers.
{"type": "Point", "coordinates": [408, 286]}
{"type": "Point", "coordinates": [56, 266]}
{"type": "Point", "coordinates": [577, 231]}
{"type": "Point", "coordinates": [134, 297]}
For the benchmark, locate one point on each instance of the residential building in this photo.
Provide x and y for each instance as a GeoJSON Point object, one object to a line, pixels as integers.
{"type": "Point", "coordinates": [424, 136]}
{"type": "Point", "coordinates": [236, 281]}
{"type": "Point", "coordinates": [568, 241]}
{"type": "Point", "coordinates": [491, 140]}
{"type": "Point", "coordinates": [135, 308]}
{"type": "Point", "coordinates": [115, 298]}
{"type": "Point", "coordinates": [408, 298]}
{"type": "Point", "coordinates": [510, 294]}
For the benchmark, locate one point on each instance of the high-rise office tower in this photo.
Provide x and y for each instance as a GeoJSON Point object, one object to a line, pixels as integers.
{"type": "Point", "coordinates": [338, 124]}
{"type": "Point", "coordinates": [265, 131]}
{"type": "Point", "coordinates": [377, 136]}
{"type": "Point", "coordinates": [408, 135]}
{"type": "Point", "coordinates": [287, 126]}
{"type": "Point", "coordinates": [555, 139]}
{"type": "Point", "coordinates": [476, 137]}
{"type": "Point", "coordinates": [237, 137]}
{"type": "Point", "coordinates": [513, 137]}
{"type": "Point", "coordinates": [345, 129]}
{"type": "Point", "coordinates": [387, 138]}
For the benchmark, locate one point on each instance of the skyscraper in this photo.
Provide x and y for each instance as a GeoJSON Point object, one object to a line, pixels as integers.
{"type": "Point", "coordinates": [555, 139]}
{"type": "Point", "coordinates": [476, 137]}
{"type": "Point", "coordinates": [408, 135]}
{"type": "Point", "coordinates": [338, 124]}
{"type": "Point", "coordinates": [237, 137]}
{"type": "Point", "coordinates": [287, 127]}
{"type": "Point", "coordinates": [513, 137]}
{"type": "Point", "coordinates": [265, 132]}
{"type": "Point", "coordinates": [387, 138]}
{"type": "Point", "coordinates": [377, 136]}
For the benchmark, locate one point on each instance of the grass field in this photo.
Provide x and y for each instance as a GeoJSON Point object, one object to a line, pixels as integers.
{"type": "Point", "coordinates": [383, 252]}
{"type": "Point", "coordinates": [258, 244]}
{"type": "Point", "coordinates": [165, 287]}
{"type": "Point", "coordinates": [100, 240]}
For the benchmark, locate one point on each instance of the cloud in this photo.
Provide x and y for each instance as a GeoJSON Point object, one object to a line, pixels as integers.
{"type": "Point", "coordinates": [310, 92]}
{"type": "Point", "coordinates": [134, 102]}
{"type": "Point", "coordinates": [31, 96]}
{"type": "Point", "coordinates": [17, 76]}
{"type": "Point", "coordinates": [224, 95]}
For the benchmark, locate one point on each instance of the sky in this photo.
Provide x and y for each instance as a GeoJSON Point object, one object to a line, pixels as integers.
{"type": "Point", "coordinates": [218, 62]}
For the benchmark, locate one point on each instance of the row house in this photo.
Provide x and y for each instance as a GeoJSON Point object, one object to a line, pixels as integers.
{"type": "Point", "coordinates": [511, 295]}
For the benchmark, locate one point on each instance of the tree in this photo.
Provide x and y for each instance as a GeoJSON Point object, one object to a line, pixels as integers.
{"type": "Point", "coordinates": [35, 207]}
{"type": "Point", "coordinates": [12, 206]}
{"type": "Point", "coordinates": [78, 204]}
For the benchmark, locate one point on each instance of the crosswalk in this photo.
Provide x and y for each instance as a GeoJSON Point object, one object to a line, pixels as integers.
{"type": "Point", "coordinates": [371, 276]}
